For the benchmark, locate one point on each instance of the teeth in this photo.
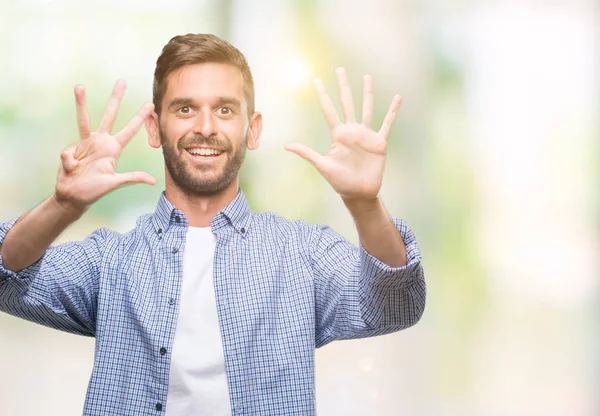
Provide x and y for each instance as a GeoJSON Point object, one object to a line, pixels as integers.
{"type": "Point", "coordinates": [204, 152]}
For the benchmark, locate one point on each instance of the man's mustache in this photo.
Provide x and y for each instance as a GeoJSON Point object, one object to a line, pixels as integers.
{"type": "Point", "coordinates": [199, 141]}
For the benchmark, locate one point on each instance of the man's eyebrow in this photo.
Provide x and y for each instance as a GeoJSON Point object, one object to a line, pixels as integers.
{"type": "Point", "coordinates": [230, 100]}
{"type": "Point", "coordinates": [176, 102]}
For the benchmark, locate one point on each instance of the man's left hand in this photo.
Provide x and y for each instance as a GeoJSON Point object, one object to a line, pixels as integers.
{"type": "Point", "coordinates": [355, 162]}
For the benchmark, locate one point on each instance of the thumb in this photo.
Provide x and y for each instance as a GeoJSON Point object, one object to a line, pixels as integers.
{"type": "Point", "coordinates": [69, 162]}
{"type": "Point", "coordinates": [306, 153]}
{"type": "Point", "coordinates": [134, 177]}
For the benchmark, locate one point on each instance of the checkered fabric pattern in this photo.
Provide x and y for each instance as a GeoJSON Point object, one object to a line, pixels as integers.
{"type": "Point", "coordinates": [283, 288]}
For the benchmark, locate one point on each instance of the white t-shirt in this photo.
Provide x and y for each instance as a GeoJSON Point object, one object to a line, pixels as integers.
{"type": "Point", "coordinates": [197, 379]}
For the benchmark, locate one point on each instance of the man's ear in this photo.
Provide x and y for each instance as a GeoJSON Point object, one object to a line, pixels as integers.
{"type": "Point", "coordinates": [152, 129]}
{"type": "Point", "coordinates": [253, 135]}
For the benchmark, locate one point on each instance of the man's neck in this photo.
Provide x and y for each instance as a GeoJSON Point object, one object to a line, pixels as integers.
{"type": "Point", "coordinates": [200, 210]}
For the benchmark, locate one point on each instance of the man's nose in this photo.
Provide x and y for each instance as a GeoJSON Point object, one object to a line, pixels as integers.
{"type": "Point", "coordinates": [206, 124]}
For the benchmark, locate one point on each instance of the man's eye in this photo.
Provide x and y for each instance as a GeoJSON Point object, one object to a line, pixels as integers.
{"type": "Point", "coordinates": [185, 109]}
{"type": "Point", "coordinates": [225, 111]}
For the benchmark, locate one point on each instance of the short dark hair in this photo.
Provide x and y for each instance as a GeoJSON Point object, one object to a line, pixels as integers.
{"type": "Point", "coordinates": [197, 48]}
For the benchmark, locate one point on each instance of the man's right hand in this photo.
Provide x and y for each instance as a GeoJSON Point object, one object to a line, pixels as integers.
{"type": "Point", "coordinates": [88, 168]}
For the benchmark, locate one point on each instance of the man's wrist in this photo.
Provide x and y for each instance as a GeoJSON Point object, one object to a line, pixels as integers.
{"type": "Point", "coordinates": [70, 210]}
{"type": "Point", "coordinates": [361, 206]}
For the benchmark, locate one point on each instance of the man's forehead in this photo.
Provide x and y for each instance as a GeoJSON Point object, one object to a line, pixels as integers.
{"type": "Point", "coordinates": [206, 78]}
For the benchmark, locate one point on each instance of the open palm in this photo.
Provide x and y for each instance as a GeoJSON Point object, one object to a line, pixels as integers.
{"type": "Point", "coordinates": [88, 168]}
{"type": "Point", "coordinates": [355, 162]}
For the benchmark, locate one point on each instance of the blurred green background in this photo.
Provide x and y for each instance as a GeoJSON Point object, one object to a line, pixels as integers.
{"type": "Point", "coordinates": [493, 161]}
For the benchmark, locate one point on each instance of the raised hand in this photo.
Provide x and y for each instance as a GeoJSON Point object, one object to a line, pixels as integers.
{"type": "Point", "coordinates": [88, 168]}
{"type": "Point", "coordinates": [355, 162]}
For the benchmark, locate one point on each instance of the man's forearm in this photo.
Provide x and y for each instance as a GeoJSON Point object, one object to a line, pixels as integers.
{"type": "Point", "coordinates": [377, 233]}
{"type": "Point", "coordinates": [27, 241]}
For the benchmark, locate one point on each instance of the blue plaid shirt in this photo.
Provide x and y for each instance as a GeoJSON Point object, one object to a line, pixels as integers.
{"type": "Point", "coordinates": [283, 288]}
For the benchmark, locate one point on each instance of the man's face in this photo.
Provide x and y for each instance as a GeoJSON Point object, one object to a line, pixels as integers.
{"type": "Point", "coordinates": [204, 127]}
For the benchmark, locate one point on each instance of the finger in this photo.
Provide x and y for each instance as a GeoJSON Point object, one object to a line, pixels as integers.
{"type": "Point", "coordinates": [127, 133]}
{"type": "Point", "coordinates": [390, 116]}
{"type": "Point", "coordinates": [306, 153]}
{"type": "Point", "coordinates": [83, 119]}
{"type": "Point", "coordinates": [134, 177]}
{"type": "Point", "coordinates": [367, 105]}
{"type": "Point", "coordinates": [346, 95]}
{"type": "Point", "coordinates": [329, 110]}
{"type": "Point", "coordinates": [68, 159]}
{"type": "Point", "coordinates": [112, 108]}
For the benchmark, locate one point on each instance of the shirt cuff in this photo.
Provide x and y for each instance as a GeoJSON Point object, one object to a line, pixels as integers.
{"type": "Point", "coordinates": [4, 229]}
{"type": "Point", "coordinates": [385, 276]}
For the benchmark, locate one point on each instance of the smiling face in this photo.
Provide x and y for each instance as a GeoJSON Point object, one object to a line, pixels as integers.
{"type": "Point", "coordinates": [204, 128]}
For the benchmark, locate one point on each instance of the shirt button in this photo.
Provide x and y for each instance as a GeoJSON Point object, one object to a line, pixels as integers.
{"type": "Point", "coordinates": [243, 230]}
{"type": "Point", "coordinates": [177, 218]}
{"type": "Point", "coordinates": [163, 351]}
{"type": "Point", "coordinates": [175, 250]}
{"type": "Point", "coordinates": [171, 301]}
{"type": "Point", "coordinates": [158, 406]}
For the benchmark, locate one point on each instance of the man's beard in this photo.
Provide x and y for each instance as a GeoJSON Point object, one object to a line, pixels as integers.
{"type": "Point", "coordinates": [189, 178]}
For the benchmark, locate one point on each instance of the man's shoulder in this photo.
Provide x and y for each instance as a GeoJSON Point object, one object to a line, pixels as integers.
{"type": "Point", "coordinates": [124, 232]}
{"type": "Point", "coordinates": [270, 219]}
{"type": "Point", "coordinates": [277, 226]}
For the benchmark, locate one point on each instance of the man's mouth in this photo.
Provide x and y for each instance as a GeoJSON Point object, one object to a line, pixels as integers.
{"type": "Point", "coordinates": [204, 152]}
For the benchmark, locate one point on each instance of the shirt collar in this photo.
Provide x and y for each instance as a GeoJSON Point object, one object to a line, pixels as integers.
{"type": "Point", "coordinates": [237, 214]}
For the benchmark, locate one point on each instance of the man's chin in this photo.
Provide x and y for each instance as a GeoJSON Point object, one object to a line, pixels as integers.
{"type": "Point", "coordinates": [202, 184]}
{"type": "Point", "coordinates": [207, 190]}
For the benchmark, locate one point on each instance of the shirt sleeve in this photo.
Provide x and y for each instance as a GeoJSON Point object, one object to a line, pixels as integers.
{"type": "Point", "coordinates": [357, 295]}
{"type": "Point", "coordinates": [60, 290]}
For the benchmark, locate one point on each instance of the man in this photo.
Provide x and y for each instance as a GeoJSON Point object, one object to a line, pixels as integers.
{"type": "Point", "coordinates": [207, 307]}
